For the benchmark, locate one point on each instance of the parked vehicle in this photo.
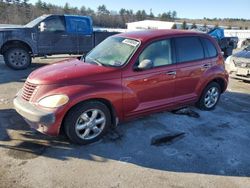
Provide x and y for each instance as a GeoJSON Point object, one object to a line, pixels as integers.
{"type": "Point", "coordinates": [227, 44]}
{"type": "Point", "coordinates": [238, 65]}
{"type": "Point", "coordinates": [244, 43]}
{"type": "Point", "coordinates": [48, 35]}
{"type": "Point", "coordinates": [126, 76]}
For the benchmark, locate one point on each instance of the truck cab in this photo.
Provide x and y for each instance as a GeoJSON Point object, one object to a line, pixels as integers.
{"type": "Point", "coordinates": [48, 35]}
{"type": "Point", "coordinates": [64, 34]}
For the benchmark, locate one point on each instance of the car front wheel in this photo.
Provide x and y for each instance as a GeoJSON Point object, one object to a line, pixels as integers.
{"type": "Point", "coordinates": [210, 97]}
{"type": "Point", "coordinates": [87, 122]}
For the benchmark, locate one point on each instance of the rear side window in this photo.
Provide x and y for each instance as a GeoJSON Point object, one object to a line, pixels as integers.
{"type": "Point", "coordinates": [211, 50]}
{"type": "Point", "coordinates": [78, 26]}
{"type": "Point", "coordinates": [81, 25]}
{"type": "Point", "coordinates": [188, 49]}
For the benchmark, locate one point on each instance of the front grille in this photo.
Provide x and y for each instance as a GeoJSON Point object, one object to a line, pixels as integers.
{"type": "Point", "coordinates": [241, 64]}
{"type": "Point", "coordinates": [28, 90]}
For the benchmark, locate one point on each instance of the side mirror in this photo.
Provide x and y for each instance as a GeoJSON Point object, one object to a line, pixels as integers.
{"type": "Point", "coordinates": [145, 64]}
{"type": "Point", "coordinates": [42, 27]}
{"type": "Point", "coordinates": [82, 58]}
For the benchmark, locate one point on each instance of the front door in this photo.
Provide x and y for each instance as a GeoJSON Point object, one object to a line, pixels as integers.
{"type": "Point", "coordinates": [151, 89]}
{"type": "Point", "coordinates": [54, 39]}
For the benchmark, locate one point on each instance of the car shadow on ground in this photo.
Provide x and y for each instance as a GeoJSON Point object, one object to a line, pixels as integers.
{"type": "Point", "coordinates": [215, 143]}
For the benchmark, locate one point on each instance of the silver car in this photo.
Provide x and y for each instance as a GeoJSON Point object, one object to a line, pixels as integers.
{"type": "Point", "coordinates": [238, 65]}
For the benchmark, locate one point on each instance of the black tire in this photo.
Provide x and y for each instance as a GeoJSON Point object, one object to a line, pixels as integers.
{"type": "Point", "coordinates": [17, 58]}
{"type": "Point", "coordinates": [202, 103]}
{"type": "Point", "coordinates": [72, 119]}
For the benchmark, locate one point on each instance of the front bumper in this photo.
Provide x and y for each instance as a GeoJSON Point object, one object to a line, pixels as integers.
{"type": "Point", "coordinates": [33, 113]}
{"type": "Point", "coordinates": [43, 121]}
{"type": "Point", "coordinates": [241, 77]}
{"type": "Point", "coordinates": [238, 68]}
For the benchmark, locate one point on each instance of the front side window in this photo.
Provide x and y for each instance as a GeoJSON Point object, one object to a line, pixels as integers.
{"type": "Point", "coordinates": [188, 49]}
{"type": "Point", "coordinates": [54, 24]}
{"type": "Point", "coordinates": [159, 53]}
{"type": "Point", "coordinates": [113, 51]}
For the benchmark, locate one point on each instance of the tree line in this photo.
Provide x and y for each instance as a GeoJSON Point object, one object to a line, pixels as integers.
{"type": "Point", "coordinates": [21, 12]}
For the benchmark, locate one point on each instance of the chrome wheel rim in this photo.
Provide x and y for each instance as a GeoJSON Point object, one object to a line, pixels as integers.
{"type": "Point", "coordinates": [18, 58]}
{"type": "Point", "coordinates": [90, 124]}
{"type": "Point", "coordinates": [211, 97]}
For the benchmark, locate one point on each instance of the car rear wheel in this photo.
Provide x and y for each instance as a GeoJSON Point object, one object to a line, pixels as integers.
{"type": "Point", "coordinates": [210, 97]}
{"type": "Point", "coordinates": [87, 122]}
{"type": "Point", "coordinates": [17, 58]}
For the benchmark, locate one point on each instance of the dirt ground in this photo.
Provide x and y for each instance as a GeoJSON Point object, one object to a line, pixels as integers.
{"type": "Point", "coordinates": [213, 150]}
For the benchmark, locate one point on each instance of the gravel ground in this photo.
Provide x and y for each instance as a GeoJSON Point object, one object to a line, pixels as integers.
{"type": "Point", "coordinates": [213, 150]}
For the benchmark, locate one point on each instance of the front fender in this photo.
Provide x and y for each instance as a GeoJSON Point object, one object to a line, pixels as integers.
{"type": "Point", "coordinates": [20, 36]}
{"type": "Point", "coordinates": [79, 93]}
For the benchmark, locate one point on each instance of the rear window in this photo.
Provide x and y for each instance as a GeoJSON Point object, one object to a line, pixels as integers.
{"type": "Point", "coordinates": [188, 49]}
{"type": "Point", "coordinates": [211, 50]}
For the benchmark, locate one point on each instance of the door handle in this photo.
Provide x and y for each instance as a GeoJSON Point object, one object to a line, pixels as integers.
{"type": "Point", "coordinates": [64, 35]}
{"type": "Point", "coordinates": [171, 73]}
{"type": "Point", "coordinates": [206, 66]}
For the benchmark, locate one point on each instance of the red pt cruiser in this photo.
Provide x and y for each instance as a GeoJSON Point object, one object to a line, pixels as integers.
{"type": "Point", "coordinates": [126, 76]}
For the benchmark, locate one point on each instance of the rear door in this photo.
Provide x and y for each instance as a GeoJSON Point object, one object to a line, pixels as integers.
{"type": "Point", "coordinates": [81, 28]}
{"type": "Point", "coordinates": [190, 67]}
{"type": "Point", "coordinates": [151, 89]}
{"type": "Point", "coordinates": [55, 39]}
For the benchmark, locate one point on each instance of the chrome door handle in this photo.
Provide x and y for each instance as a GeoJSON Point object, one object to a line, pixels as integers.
{"type": "Point", "coordinates": [64, 35]}
{"type": "Point", "coordinates": [171, 73]}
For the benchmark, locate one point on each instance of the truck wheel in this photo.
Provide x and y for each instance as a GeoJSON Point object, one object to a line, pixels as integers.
{"type": "Point", "coordinates": [87, 122]}
{"type": "Point", "coordinates": [17, 58]}
{"type": "Point", "coordinates": [210, 97]}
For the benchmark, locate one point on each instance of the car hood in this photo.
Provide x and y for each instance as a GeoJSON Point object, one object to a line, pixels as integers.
{"type": "Point", "coordinates": [72, 71]}
{"type": "Point", "coordinates": [242, 54]}
{"type": "Point", "coordinates": [10, 28]}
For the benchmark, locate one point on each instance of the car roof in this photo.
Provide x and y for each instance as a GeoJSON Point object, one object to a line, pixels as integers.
{"type": "Point", "coordinates": [147, 35]}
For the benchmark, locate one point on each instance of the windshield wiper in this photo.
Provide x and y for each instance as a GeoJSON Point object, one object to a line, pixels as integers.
{"type": "Point", "coordinates": [96, 61]}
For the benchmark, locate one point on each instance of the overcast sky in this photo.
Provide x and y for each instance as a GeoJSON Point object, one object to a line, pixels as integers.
{"type": "Point", "coordinates": [184, 8]}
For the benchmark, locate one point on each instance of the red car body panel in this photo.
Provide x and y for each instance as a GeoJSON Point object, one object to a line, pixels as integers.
{"type": "Point", "coordinates": [131, 93]}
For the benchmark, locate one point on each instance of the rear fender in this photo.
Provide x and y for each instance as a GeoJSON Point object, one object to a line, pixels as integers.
{"type": "Point", "coordinates": [216, 73]}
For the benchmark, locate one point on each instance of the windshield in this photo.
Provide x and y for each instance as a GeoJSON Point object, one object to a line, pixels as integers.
{"type": "Point", "coordinates": [35, 21]}
{"type": "Point", "coordinates": [114, 51]}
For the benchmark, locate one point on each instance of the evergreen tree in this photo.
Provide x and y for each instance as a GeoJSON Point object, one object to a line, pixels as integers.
{"type": "Point", "coordinates": [174, 26]}
{"type": "Point", "coordinates": [184, 25]}
{"type": "Point", "coordinates": [66, 8]}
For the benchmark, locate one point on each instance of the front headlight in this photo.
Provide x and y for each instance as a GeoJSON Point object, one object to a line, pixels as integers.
{"type": "Point", "coordinates": [54, 101]}
{"type": "Point", "coordinates": [228, 60]}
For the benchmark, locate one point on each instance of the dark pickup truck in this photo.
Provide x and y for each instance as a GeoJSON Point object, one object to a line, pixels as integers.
{"type": "Point", "coordinates": [48, 35]}
{"type": "Point", "coordinates": [227, 44]}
